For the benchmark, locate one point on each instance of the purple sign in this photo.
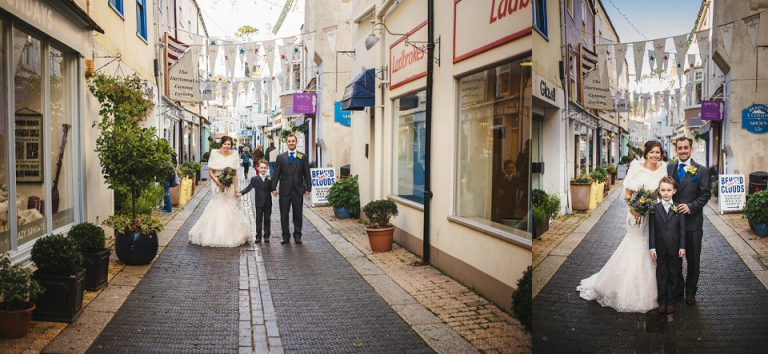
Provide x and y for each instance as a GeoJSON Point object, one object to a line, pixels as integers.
{"type": "Point", "coordinates": [712, 110]}
{"type": "Point", "coordinates": [305, 103]}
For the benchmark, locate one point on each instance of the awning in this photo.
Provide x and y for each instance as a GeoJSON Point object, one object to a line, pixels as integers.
{"type": "Point", "coordinates": [360, 93]}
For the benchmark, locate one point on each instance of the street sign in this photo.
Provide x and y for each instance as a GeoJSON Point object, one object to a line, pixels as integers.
{"type": "Point", "coordinates": [732, 192]}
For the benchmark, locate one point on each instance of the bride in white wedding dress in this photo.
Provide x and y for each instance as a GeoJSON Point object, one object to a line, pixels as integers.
{"type": "Point", "coordinates": [627, 282]}
{"type": "Point", "coordinates": [222, 224]}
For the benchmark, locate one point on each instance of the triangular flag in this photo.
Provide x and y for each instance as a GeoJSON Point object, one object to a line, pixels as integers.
{"type": "Point", "coordinates": [224, 92]}
{"type": "Point", "coordinates": [250, 54]}
{"type": "Point", "coordinates": [656, 101]}
{"type": "Point", "coordinates": [658, 50]}
{"type": "Point", "coordinates": [309, 45]}
{"type": "Point", "coordinates": [688, 89]}
{"type": "Point", "coordinates": [726, 31]}
{"type": "Point", "coordinates": [269, 52]}
{"type": "Point", "coordinates": [213, 52]}
{"type": "Point", "coordinates": [680, 66]}
{"type": "Point", "coordinates": [289, 43]}
{"type": "Point", "coordinates": [257, 89]}
{"type": "Point", "coordinates": [677, 97]}
{"type": "Point", "coordinates": [635, 98]}
{"type": "Point", "coordinates": [235, 93]}
{"type": "Point", "coordinates": [602, 53]}
{"type": "Point", "coordinates": [246, 85]}
{"type": "Point", "coordinates": [281, 51]}
{"type": "Point", "coordinates": [645, 103]}
{"type": "Point", "coordinates": [681, 46]}
{"type": "Point", "coordinates": [702, 38]}
{"type": "Point", "coordinates": [752, 23]}
{"type": "Point", "coordinates": [620, 53]}
{"type": "Point", "coordinates": [639, 49]}
{"type": "Point", "coordinates": [691, 61]}
{"type": "Point", "coordinates": [331, 34]}
{"type": "Point", "coordinates": [230, 53]}
{"type": "Point", "coordinates": [664, 62]}
{"type": "Point", "coordinates": [241, 53]}
{"type": "Point", "coordinates": [651, 60]}
{"type": "Point", "coordinates": [666, 100]}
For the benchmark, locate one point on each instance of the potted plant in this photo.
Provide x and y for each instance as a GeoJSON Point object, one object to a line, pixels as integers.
{"type": "Point", "coordinates": [380, 231]}
{"type": "Point", "coordinates": [197, 166]}
{"type": "Point", "coordinates": [580, 192]}
{"type": "Point", "coordinates": [16, 288]}
{"type": "Point", "coordinates": [187, 179]}
{"type": "Point", "coordinates": [756, 212]}
{"type": "Point", "coordinates": [522, 299]}
{"type": "Point", "coordinates": [91, 241]}
{"type": "Point", "coordinates": [130, 156]}
{"type": "Point", "coordinates": [344, 196]}
{"type": "Point", "coordinates": [58, 261]}
{"type": "Point", "coordinates": [598, 182]}
{"type": "Point", "coordinates": [611, 169]}
{"type": "Point", "coordinates": [544, 209]}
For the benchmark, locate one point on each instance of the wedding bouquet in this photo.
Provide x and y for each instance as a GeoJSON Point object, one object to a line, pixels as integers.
{"type": "Point", "coordinates": [226, 178]}
{"type": "Point", "coordinates": [642, 202]}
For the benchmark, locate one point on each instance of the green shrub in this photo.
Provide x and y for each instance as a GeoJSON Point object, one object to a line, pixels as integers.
{"type": "Point", "coordinates": [345, 192]}
{"type": "Point", "coordinates": [625, 160]}
{"type": "Point", "coordinates": [582, 179]}
{"type": "Point", "coordinates": [553, 207]}
{"type": "Point", "coordinates": [206, 156]}
{"type": "Point", "coordinates": [539, 198]}
{"type": "Point", "coordinates": [89, 237]}
{"type": "Point", "coordinates": [56, 255]}
{"type": "Point", "coordinates": [522, 299]}
{"type": "Point", "coordinates": [16, 285]}
{"type": "Point", "coordinates": [379, 212]}
{"type": "Point", "coordinates": [539, 216]}
{"type": "Point", "coordinates": [144, 224]}
{"type": "Point", "coordinates": [187, 170]}
{"type": "Point", "coordinates": [145, 203]}
{"type": "Point", "coordinates": [611, 169]}
{"type": "Point", "coordinates": [598, 175]}
{"type": "Point", "coordinates": [756, 210]}
{"type": "Point", "coordinates": [197, 166]}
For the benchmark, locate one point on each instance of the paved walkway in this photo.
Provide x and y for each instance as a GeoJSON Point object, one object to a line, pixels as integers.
{"type": "Point", "coordinates": [730, 315]}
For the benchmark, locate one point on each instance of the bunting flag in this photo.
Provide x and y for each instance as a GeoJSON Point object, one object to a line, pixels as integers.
{"type": "Point", "coordinates": [665, 62]}
{"type": "Point", "coordinates": [224, 92]}
{"type": "Point", "coordinates": [213, 53]}
{"type": "Point", "coordinates": [681, 46]}
{"type": "Point", "coordinates": [688, 89]}
{"type": "Point", "coordinates": [639, 49]}
{"type": "Point", "coordinates": [635, 98]}
{"type": "Point", "coordinates": [309, 45]}
{"type": "Point", "coordinates": [702, 38]}
{"type": "Point", "coordinates": [666, 100]}
{"type": "Point", "coordinates": [620, 54]}
{"type": "Point", "coordinates": [281, 50]}
{"type": "Point", "coordinates": [656, 101]}
{"type": "Point", "coordinates": [651, 60]}
{"type": "Point", "coordinates": [602, 53]}
{"type": "Point", "coordinates": [251, 49]}
{"type": "Point", "coordinates": [680, 66]}
{"type": "Point", "coordinates": [230, 52]}
{"type": "Point", "coordinates": [257, 89]}
{"type": "Point", "coordinates": [269, 52]}
{"type": "Point", "coordinates": [645, 103]}
{"type": "Point", "coordinates": [752, 23]}
{"type": "Point", "coordinates": [331, 34]}
{"type": "Point", "coordinates": [235, 93]}
{"type": "Point", "coordinates": [658, 50]}
{"type": "Point", "coordinates": [726, 32]}
{"type": "Point", "coordinates": [290, 48]}
{"type": "Point", "coordinates": [207, 92]}
{"type": "Point", "coordinates": [677, 97]}
{"type": "Point", "coordinates": [691, 61]}
{"type": "Point", "coordinates": [246, 86]}
{"type": "Point", "coordinates": [241, 55]}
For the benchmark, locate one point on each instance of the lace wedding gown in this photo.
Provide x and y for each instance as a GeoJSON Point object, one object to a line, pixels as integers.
{"type": "Point", "coordinates": [223, 223]}
{"type": "Point", "coordinates": [627, 282]}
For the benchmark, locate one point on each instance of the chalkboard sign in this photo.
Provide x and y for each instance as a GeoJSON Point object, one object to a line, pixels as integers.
{"type": "Point", "coordinates": [29, 146]}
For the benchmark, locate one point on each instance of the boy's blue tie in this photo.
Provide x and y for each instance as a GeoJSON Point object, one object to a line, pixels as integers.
{"type": "Point", "coordinates": [680, 171]}
{"type": "Point", "coordinates": [290, 157]}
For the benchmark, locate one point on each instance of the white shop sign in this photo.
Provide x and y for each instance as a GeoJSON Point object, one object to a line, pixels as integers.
{"type": "Point", "coordinates": [406, 62]}
{"type": "Point", "coordinates": [45, 18]}
{"type": "Point", "coordinates": [322, 179]}
{"type": "Point", "coordinates": [732, 192]}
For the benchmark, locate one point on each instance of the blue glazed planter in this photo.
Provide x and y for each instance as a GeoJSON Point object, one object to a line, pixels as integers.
{"type": "Point", "coordinates": [759, 229]}
{"type": "Point", "coordinates": [135, 248]}
{"type": "Point", "coordinates": [342, 212]}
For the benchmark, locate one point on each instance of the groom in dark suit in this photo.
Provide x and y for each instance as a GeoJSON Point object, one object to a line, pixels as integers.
{"type": "Point", "coordinates": [292, 171]}
{"type": "Point", "coordinates": [692, 195]}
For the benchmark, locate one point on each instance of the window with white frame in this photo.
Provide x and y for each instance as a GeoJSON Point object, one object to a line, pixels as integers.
{"type": "Point", "coordinates": [117, 5]}
{"type": "Point", "coordinates": [141, 19]}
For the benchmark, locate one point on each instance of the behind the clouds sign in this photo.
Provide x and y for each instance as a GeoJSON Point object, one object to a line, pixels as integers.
{"type": "Point", "coordinates": [732, 192]}
{"type": "Point", "coordinates": [755, 119]}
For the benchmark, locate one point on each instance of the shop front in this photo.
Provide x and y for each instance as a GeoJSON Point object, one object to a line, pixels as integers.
{"type": "Point", "coordinates": [40, 155]}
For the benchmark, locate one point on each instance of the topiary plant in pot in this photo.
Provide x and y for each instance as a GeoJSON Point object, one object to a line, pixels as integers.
{"type": "Point", "coordinates": [522, 303]}
{"type": "Point", "coordinates": [380, 230]}
{"type": "Point", "coordinates": [58, 260]}
{"type": "Point", "coordinates": [92, 242]}
{"type": "Point", "coordinates": [16, 288]}
{"type": "Point", "coordinates": [756, 212]}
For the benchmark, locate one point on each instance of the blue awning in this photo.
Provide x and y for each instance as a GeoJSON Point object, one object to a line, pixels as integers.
{"type": "Point", "coordinates": [360, 93]}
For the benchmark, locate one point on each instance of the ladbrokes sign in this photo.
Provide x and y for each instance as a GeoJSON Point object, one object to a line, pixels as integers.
{"type": "Point", "coordinates": [480, 25]}
{"type": "Point", "coordinates": [406, 62]}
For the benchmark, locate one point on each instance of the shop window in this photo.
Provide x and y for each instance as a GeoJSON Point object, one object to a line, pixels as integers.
{"type": "Point", "coordinates": [5, 234]}
{"type": "Point", "coordinates": [61, 154]}
{"type": "Point", "coordinates": [540, 16]}
{"type": "Point", "coordinates": [494, 149]}
{"type": "Point", "coordinates": [117, 5]}
{"type": "Point", "coordinates": [409, 145]}
{"type": "Point", "coordinates": [141, 19]}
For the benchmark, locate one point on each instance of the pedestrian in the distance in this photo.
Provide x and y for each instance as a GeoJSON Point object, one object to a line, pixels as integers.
{"type": "Point", "coordinates": [292, 171]}
{"type": "Point", "coordinates": [258, 154]}
{"type": "Point", "coordinates": [245, 158]}
{"type": "Point", "coordinates": [272, 153]}
{"type": "Point", "coordinates": [262, 199]}
{"type": "Point", "coordinates": [168, 209]}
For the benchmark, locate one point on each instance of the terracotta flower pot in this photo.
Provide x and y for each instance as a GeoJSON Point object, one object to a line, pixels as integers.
{"type": "Point", "coordinates": [381, 239]}
{"type": "Point", "coordinates": [15, 323]}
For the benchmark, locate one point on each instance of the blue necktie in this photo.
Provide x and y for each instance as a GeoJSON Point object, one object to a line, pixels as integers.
{"type": "Point", "coordinates": [680, 172]}
{"type": "Point", "coordinates": [290, 157]}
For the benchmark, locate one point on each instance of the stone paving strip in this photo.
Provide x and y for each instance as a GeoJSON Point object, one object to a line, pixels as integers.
{"type": "Point", "coordinates": [450, 317]}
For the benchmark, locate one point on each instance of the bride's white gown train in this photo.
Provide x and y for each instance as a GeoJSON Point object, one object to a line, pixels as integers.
{"type": "Point", "coordinates": [627, 282]}
{"type": "Point", "coordinates": [222, 223]}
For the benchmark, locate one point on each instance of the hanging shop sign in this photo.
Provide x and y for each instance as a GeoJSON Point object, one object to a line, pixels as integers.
{"type": "Point", "coordinates": [481, 25]}
{"type": "Point", "coordinates": [183, 83]}
{"type": "Point", "coordinates": [755, 119]}
{"type": "Point", "coordinates": [305, 103]}
{"type": "Point", "coordinates": [340, 116]}
{"type": "Point", "coordinates": [712, 110]}
{"type": "Point", "coordinates": [408, 62]}
{"type": "Point", "coordinates": [732, 192]}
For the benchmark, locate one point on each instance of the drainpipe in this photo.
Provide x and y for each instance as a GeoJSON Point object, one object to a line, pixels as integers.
{"type": "Point", "coordinates": [566, 86]}
{"type": "Point", "coordinates": [428, 129]}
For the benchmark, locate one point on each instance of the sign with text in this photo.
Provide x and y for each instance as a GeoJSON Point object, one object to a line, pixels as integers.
{"type": "Point", "coordinates": [545, 90]}
{"type": "Point", "coordinates": [322, 179]}
{"type": "Point", "coordinates": [29, 146]}
{"type": "Point", "coordinates": [305, 103]}
{"type": "Point", "coordinates": [712, 110]}
{"type": "Point", "coordinates": [46, 18]}
{"type": "Point", "coordinates": [732, 192]}
{"type": "Point", "coordinates": [597, 94]}
{"type": "Point", "coordinates": [406, 62]}
{"type": "Point", "coordinates": [755, 119]}
{"type": "Point", "coordinates": [340, 116]}
{"type": "Point", "coordinates": [481, 25]}
{"type": "Point", "coordinates": [183, 84]}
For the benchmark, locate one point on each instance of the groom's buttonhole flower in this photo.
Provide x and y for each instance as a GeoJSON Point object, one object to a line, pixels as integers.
{"type": "Point", "coordinates": [692, 170]}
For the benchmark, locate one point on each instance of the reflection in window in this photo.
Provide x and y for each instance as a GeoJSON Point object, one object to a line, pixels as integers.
{"type": "Point", "coordinates": [494, 147]}
{"type": "Point", "coordinates": [409, 144]}
{"type": "Point", "coordinates": [5, 233]}
{"type": "Point", "coordinates": [29, 135]}
{"type": "Point", "coordinates": [62, 190]}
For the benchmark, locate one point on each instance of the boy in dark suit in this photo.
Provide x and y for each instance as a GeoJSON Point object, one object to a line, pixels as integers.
{"type": "Point", "coordinates": [262, 199]}
{"type": "Point", "coordinates": [667, 244]}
